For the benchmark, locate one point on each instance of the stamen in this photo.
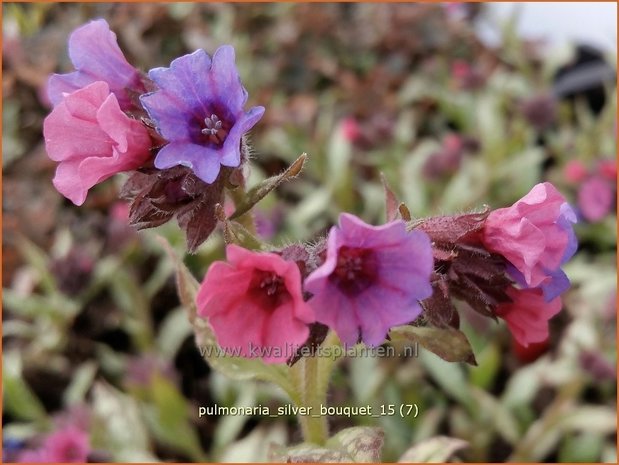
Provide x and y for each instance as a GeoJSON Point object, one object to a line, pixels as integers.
{"type": "Point", "coordinates": [271, 284]}
{"type": "Point", "coordinates": [213, 125]}
{"type": "Point", "coordinates": [355, 269]}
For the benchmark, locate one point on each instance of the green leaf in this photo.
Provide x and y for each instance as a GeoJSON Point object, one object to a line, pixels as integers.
{"type": "Point", "coordinates": [434, 450]}
{"type": "Point", "coordinates": [449, 376]}
{"type": "Point", "coordinates": [363, 444]}
{"type": "Point", "coordinates": [583, 448]}
{"type": "Point", "coordinates": [83, 378]}
{"type": "Point", "coordinates": [18, 399]}
{"type": "Point", "coordinates": [186, 285]}
{"type": "Point", "coordinates": [489, 363]}
{"type": "Point", "coordinates": [230, 426]}
{"type": "Point", "coordinates": [254, 447]}
{"type": "Point", "coordinates": [169, 419]}
{"type": "Point", "coordinates": [120, 428]}
{"type": "Point", "coordinates": [37, 258]}
{"type": "Point", "coordinates": [236, 233]}
{"type": "Point", "coordinates": [308, 454]}
{"type": "Point", "coordinates": [173, 331]}
{"type": "Point", "coordinates": [493, 412]}
{"type": "Point", "coordinates": [448, 343]}
{"type": "Point", "coordinates": [257, 193]}
{"type": "Point", "coordinates": [54, 306]}
{"type": "Point", "coordinates": [591, 418]}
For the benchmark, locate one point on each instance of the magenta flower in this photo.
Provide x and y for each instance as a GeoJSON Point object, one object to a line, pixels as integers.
{"type": "Point", "coordinates": [536, 236]}
{"type": "Point", "coordinates": [596, 197]}
{"type": "Point", "coordinates": [198, 109]}
{"type": "Point", "coordinates": [528, 314]}
{"type": "Point", "coordinates": [33, 456]}
{"type": "Point", "coordinates": [254, 303]}
{"type": "Point", "coordinates": [575, 171]}
{"type": "Point", "coordinates": [96, 56]}
{"type": "Point", "coordinates": [93, 139]}
{"type": "Point", "coordinates": [67, 445]}
{"type": "Point", "coordinates": [70, 445]}
{"type": "Point", "coordinates": [466, 76]}
{"type": "Point", "coordinates": [608, 169]}
{"type": "Point", "coordinates": [372, 279]}
{"type": "Point", "coordinates": [350, 128]}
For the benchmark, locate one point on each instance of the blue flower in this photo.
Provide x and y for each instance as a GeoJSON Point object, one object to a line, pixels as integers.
{"type": "Point", "coordinates": [198, 109]}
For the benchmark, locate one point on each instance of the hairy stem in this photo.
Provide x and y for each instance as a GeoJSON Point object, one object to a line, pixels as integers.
{"type": "Point", "coordinates": [246, 219]}
{"type": "Point", "coordinates": [311, 376]}
{"type": "Point", "coordinates": [314, 426]}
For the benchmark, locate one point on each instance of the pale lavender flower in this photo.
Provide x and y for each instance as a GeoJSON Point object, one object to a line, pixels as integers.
{"type": "Point", "coordinates": [95, 53]}
{"type": "Point", "coordinates": [372, 279]}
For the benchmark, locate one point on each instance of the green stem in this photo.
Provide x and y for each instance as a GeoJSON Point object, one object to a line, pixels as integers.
{"type": "Point", "coordinates": [314, 426]}
{"type": "Point", "coordinates": [311, 377]}
{"type": "Point", "coordinates": [247, 219]}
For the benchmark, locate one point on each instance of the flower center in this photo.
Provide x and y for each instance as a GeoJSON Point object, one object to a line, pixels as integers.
{"type": "Point", "coordinates": [212, 130]}
{"type": "Point", "coordinates": [355, 270]}
{"type": "Point", "coordinates": [268, 290]}
{"type": "Point", "coordinates": [213, 125]}
{"type": "Point", "coordinates": [71, 453]}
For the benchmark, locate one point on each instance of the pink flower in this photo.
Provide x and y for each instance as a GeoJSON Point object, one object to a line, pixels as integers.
{"type": "Point", "coordinates": [254, 303]}
{"type": "Point", "coordinates": [70, 445]}
{"type": "Point", "coordinates": [608, 169]}
{"type": "Point", "coordinates": [33, 456]}
{"type": "Point", "coordinates": [528, 314]}
{"type": "Point", "coordinates": [67, 445]}
{"type": "Point", "coordinates": [535, 235]}
{"type": "Point", "coordinates": [595, 198]}
{"type": "Point", "coordinates": [350, 128]}
{"type": "Point", "coordinates": [465, 76]}
{"type": "Point", "coordinates": [531, 352]}
{"type": "Point", "coordinates": [575, 171]}
{"type": "Point", "coordinates": [372, 279]}
{"type": "Point", "coordinates": [92, 139]}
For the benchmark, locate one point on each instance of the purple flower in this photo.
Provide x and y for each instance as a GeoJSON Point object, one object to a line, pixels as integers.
{"type": "Point", "coordinates": [96, 56]}
{"type": "Point", "coordinates": [372, 279]}
{"type": "Point", "coordinates": [596, 198]}
{"type": "Point", "coordinates": [198, 109]}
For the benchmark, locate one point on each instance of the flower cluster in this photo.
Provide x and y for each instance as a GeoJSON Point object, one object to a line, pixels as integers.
{"type": "Point", "coordinates": [364, 280]}
{"type": "Point", "coordinates": [264, 292]}
{"type": "Point", "coordinates": [507, 262]}
{"type": "Point", "coordinates": [179, 130]}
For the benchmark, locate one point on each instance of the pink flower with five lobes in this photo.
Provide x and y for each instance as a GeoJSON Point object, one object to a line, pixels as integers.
{"type": "Point", "coordinates": [254, 303]}
{"type": "Point", "coordinates": [93, 139]}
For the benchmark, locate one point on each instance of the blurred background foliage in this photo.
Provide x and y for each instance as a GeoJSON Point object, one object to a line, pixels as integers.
{"type": "Point", "coordinates": [93, 328]}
